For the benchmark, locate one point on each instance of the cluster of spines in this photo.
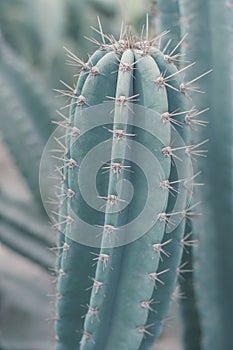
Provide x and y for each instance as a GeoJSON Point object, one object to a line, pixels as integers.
{"type": "Point", "coordinates": [173, 117]}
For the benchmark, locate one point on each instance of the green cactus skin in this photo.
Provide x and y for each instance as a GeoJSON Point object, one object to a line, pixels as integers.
{"type": "Point", "coordinates": [118, 307]}
{"type": "Point", "coordinates": [65, 182]}
{"type": "Point", "coordinates": [188, 300]}
{"type": "Point", "coordinates": [162, 295]}
{"type": "Point", "coordinates": [169, 20]}
{"type": "Point", "coordinates": [209, 24]}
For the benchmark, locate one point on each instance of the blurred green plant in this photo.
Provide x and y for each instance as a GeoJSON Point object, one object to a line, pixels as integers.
{"type": "Point", "coordinates": [210, 24]}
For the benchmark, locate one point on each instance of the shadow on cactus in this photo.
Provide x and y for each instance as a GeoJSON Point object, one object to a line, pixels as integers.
{"type": "Point", "coordinates": [130, 99]}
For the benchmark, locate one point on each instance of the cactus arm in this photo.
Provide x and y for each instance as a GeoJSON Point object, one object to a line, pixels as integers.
{"type": "Point", "coordinates": [27, 147]}
{"type": "Point", "coordinates": [210, 35]}
{"type": "Point", "coordinates": [216, 245]}
{"type": "Point", "coordinates": [123, 289]}
{"type": "Point", "coordinates": [169, 19]}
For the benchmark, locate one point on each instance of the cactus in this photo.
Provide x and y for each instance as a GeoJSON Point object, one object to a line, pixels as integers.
{"type": "Point", "coordinates": [192, 331]}
{"type": "Point", "coordinates": [169, 20]}
{"type": "Point", "coordinates": [23, 230]}
{"type": "Point", "coordinates": [120, 289]}
{"type": "Point", "coordinates": [209, 24]}
{"type": "Point", "coordinates": [27, 111]}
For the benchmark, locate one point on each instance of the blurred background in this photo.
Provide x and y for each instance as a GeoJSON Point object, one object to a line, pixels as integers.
{"type": "Point", "coordinates": [32, 61]}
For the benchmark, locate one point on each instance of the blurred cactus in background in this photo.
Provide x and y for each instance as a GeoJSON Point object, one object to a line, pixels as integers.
{"type": "Point", "coordinates": [32, 37]}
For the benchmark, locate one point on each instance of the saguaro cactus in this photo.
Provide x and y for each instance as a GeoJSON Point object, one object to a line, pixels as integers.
{"type": "Point", "coordinates": [125, 276]}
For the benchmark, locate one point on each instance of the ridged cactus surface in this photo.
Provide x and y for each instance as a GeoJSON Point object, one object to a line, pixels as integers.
{"type": "Point", "coordinates": [114, 288]}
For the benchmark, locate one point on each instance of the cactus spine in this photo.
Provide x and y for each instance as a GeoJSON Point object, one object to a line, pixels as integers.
{"type": "Point", "coordinates": [127, 280]}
